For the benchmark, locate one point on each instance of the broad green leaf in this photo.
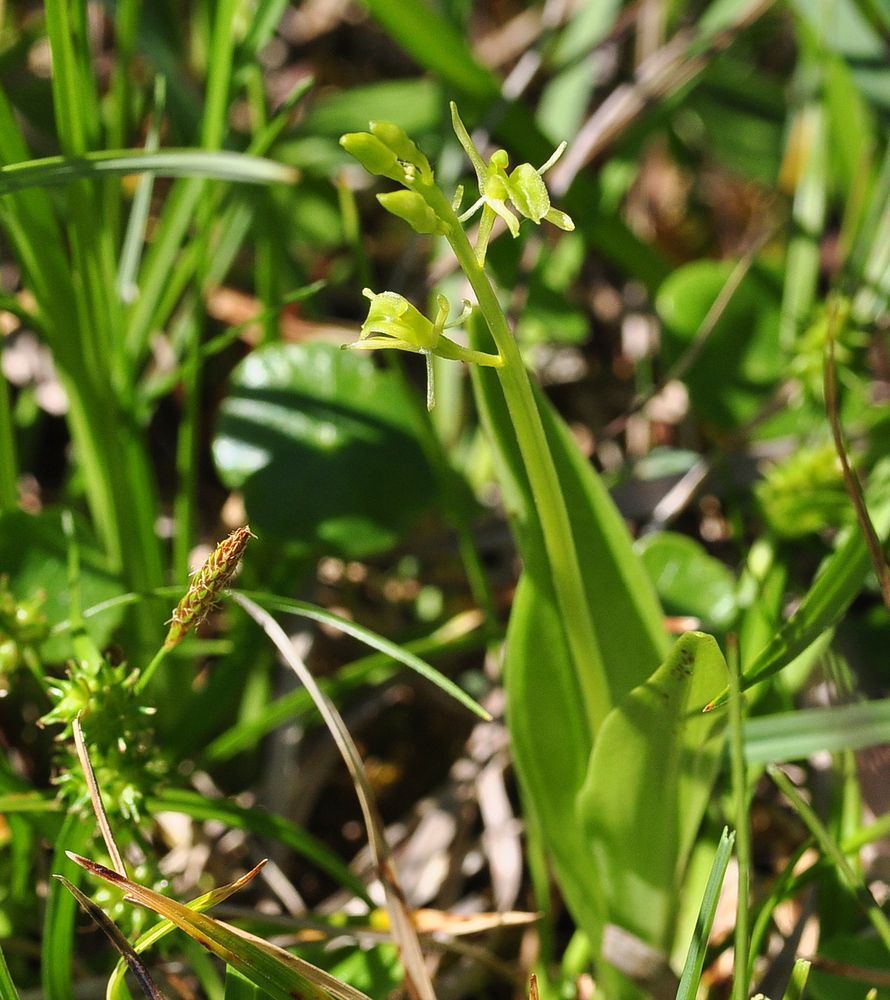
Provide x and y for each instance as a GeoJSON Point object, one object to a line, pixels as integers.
{"type": "Point", "coordinates": [839, 580]}
{"type": "Point", "coordinates": [621, 596]}
{"type": "Point", "coordinates": [550, 734]}
{"type": "Point", "coordinates": [325, 448]}
{"type": "Point", "coordinates": [280, 974]}
{"type": "Point", "coordinates": [739, 364]}
{"type": "Point", "coordinates": [649, 780]}
{"type": "Point", "coordinates": [688, 580]}
{"type": "Point", "coordinates": [223, 166]}
{"type": "Point", "coordinates": [551, 740]}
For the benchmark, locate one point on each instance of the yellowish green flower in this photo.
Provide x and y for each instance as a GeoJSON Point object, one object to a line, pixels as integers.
{"type": "Point", "coordinates": [394, 323]}
{"type": "Point", "coordinates": [523, 188]}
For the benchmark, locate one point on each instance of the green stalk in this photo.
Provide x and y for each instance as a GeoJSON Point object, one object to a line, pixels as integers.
{"type": "Point", "coordinates": [568, 582]}
{"type": "Point", "coordinates": [9, 467]}
{"type": "Point", "coordinates": [742, 822]}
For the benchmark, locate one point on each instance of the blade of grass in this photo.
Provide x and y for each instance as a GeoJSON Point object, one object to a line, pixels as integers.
{"type": "Point", "coordinates": [238, 987]}
{"type": "Point", "coordinates": [740, 982]}
{"type": "Point", "coordinates": [851, 481]}
{"type": "Point", "coordinates": [57, 946]}
{"type": "Point", "coordinates": [282, 975]}
{"type": "Point", "coordinates": [401, 923]}
{"type": "Point", "coordinates": [121, 944]}
{"type": "Point", "coordinates": [221, 165]}
{"type": "Point", "coordinates": [698, 946]}
{"type": "Point", "coordinates": [9, 466]}
{"type": "Point", "coordinates": [799, 976]}
{"type": "Point", "coordinates": [458, 635]}
{"type": "Point", "coordinates": [773, 739]}
{"type": "Point", "coordinates": [850, 877]}
{"type": "Point", "coordinates": [161, 260]}
{"type": "Point", "coordinates": [116, 989]}
{"type": "Point", "coordinates": [369, 638]}
{"type": "Point", "coordinates": [7, 986]}
{"type": "Point", "coordinates": [98, 806]}
{"type": "Point", "coordinates": [131, 251]}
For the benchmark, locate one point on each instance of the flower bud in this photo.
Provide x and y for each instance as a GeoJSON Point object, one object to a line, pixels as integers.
{"type": "Point", "coordinates": [404, 148]}
{"type": "Point", "coordinates": [372, 154]}
{"type": "Point", "coordinates": [411, 207]}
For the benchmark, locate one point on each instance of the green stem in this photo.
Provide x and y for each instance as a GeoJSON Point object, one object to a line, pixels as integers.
{"type": "Point", "coordinates": [9, 467]}
{"type": "Point", "coordinates": [568, 583]}
{"type": "Point", "coordinates": [742, 823]}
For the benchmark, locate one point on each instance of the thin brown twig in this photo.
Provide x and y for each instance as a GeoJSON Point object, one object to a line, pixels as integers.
{"type": "Point", "coordinates": [851, 481]}
{"type": "Point", "coordinates": [83, 756]}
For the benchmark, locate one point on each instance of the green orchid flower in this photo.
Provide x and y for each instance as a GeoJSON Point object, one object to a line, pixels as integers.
{"type": "Point", "coordinates": [394, 323]}
{"type": "Point", "coordinates": [523, 188]}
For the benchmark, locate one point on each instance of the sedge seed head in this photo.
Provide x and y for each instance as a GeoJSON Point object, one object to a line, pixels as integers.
{"type": "Point", "coordinates": [207, 584]}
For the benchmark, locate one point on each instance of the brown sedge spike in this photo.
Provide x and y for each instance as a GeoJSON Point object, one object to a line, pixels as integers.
{"type": "Point", "coordinates": [206, 586]}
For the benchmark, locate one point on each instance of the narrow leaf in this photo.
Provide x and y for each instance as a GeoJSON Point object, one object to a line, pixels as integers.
{"type": "Point", "coordinates": [273, 969]}
{"type": "Point", "coordinates": [121, 944]}
{"type": "Point", "coordinates": [221, 166]}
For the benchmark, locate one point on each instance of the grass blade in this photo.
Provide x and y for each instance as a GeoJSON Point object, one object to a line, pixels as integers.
{"type": "Point", "coordinates": [121, 944]}
{"type": "Point", "coordinates": [372, 639]}
{"type": "Point", "coordinates": [773, 739]}
{"type": "Point", "coordinates": [218, 165]}
{"type": "Point", "coordinates": [282, 975]}
{"type": "Point", "coordinates": [7, 986]}
{"type": "Point", "coordinates": [698, 946]}
{"type": "Point", "coordinates": [115, 988]}
{"type": "Point", "coordinates": [851, 878]}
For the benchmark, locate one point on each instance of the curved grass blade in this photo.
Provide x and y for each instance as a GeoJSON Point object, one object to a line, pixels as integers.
{"type": "Point", "coordinates": [369, 638]}
{"type": "Point", "coordinates": [215, 165]}
{"type": "Point", "coordinates": [466, 631]}
{"type": "Point", "coordinates": [282, 975]}
{"type": "Point", "coordinates": [845, 871]}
